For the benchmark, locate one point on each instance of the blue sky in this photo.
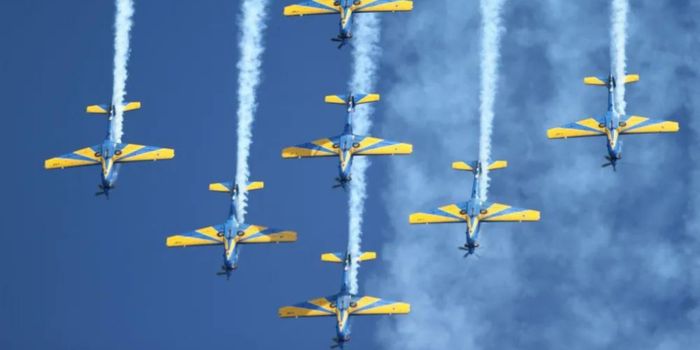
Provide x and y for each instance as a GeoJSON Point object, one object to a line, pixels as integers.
{"type": "Point", "coordinates": [613, 264]}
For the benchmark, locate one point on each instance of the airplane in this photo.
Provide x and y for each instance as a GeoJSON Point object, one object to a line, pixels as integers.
{"type": "Point", "coordinates": [231, 234]}
{"type": "Point", "coordinates": [612, 124]}
{"type": "Point", "coordinates": [475, 211]}
{"type": "Point", "coordinates": [110, 154]}
{"type": "Point", "coordinates": [347, 144]}
{"type": "Point", "coordinates": [346, 8]}
{"type": "Point", "coordinates": [344, 304]}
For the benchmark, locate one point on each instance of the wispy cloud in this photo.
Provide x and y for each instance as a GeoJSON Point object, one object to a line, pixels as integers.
{"type": "Point", "coordinates": [122, 28]}
{"type": "Point", "coordinates": [365, 53]}
{"type": "Point", "coordinates": [251, 47]}
{"type": "Point", "coordinates": [613, 263]}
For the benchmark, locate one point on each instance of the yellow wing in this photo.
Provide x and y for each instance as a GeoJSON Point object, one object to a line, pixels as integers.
{"type": "Point", "coordinates": [210, 235]}
{"type": "Point", "coordinates": [642, 125]}
{"type": "Point", "coordinates": [82, 157]}
{"type": "Point", "coordinates": [382, 6]}
{"type": "Point", "coordinates": [314, 308]}
{"type": "Point", "coordinates": [582, 128]}
{"type": "Point", "coordinates": [374, 306]}
{"type": "Point", "coordinates": [137, 153]}
{"type": "Point", "coordinates": [372, 146]}
{"type": "Point", "coordinates": [259, 234]}
{"type": "Point", "coordinates": [314, 7]}
{"type": "Point", "coordinates": [450, 213]}
{"type": "Point", "coordinates": [497, 212]}
{"type": "Point", "coordinates": [328, 147]}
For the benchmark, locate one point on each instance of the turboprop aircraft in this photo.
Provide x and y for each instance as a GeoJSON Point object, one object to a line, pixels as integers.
{"type": "Point", "coordinates": [344, 304]}
{"type": "Point", "coordinates": [231, 234]}
{"type": "Point", "coordinates": [346, 8]}
{"type": "Point", "coordinates": [110, 153]}
{"type": "Point", "coordinates": [475, 211]}
{"type": "Point", "coordinates": [612, 124]}
{"type": "Point", "coordinates": [347, 145]}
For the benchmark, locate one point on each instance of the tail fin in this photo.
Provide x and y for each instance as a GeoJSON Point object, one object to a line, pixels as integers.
{"type": "Point", "coordinates": [228, 187]}
{"type": "Point", "coordinates": [341, 257]}
{"type": "Point", "coordinates": [629, 79]}
{"type": "Point", "coordinates": [473, 165]}
{"type": "Point", "coordinates": [107, 109]}
{"type": "Point", "coordinates": [352, 100]}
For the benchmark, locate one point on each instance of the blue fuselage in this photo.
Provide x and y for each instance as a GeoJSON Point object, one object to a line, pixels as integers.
{"type": "Point", "coordinates": [232, 233]}
{"type": "Point", "coordinates": [473, 211]}
{"type": "Point", "coordinates": [343, 301]}
{"type": "Point", "coordinates": [345, 147]}
{"type": "Point", "coordinates": [613, 121]}
{"type": "Point", "coordinates": [107, 152]}
{"type": "Point", "coordinates": [346, 20]}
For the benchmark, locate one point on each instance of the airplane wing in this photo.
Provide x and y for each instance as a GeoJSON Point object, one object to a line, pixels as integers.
{"type": "Point", "coordinates": [313, 308]}
{"type": "Point", "coordinates": [82, 157]}
{"type": "Point", "coordinates": [372, 146]}
{"type": "Point", "coordinates": [642, 125]}
{"type": "Point", "coordinates": [497, 212]}
{"type": "Point", "coordinates": [204, 236]}
{"type": "Point", "coordinates": [374, 306]}
{"type": "Point", "coordinates": [137, 153]}
{"type": "Point", "coordinates": [259, 234]}
{"type": "Point", "coordinates": [314, 7]}
{"type": "Point", "coordinates": [581, 128]}
{"type": "Point", "coordinates": [383, 6]}
{"type": "Point", "coordinates": [450, 213]}
{"type": "Point", "coordinates": [327, 147]}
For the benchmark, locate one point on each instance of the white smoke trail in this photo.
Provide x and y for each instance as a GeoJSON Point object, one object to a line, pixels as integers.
{"type": "Point", "coordinates": [365, 54]}
{"type": "Point", "coordinates": [251, 47]}
{"type": "Point", "coordinates": [122, 27]}
{"type": "Point", "coordinates": [618, 35]}
{"type": "Point", "coordinates": [490, 54]}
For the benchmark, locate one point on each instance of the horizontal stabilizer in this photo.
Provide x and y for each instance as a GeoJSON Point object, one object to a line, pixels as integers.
{"type": "Point", "coordinates": [228, 187]}
{"type": "Point", "coordinates": [596, 81]}
{"type": "Point", "coordinates": [358, 99]}
{"type": "Point", "coordinates": [107, 109]}
{"type": "Point", "coordinates": [341, 257]}
{"type": "Point", "coordinates": [471, 166]}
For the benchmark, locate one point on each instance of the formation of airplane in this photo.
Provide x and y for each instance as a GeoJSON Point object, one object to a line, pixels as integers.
{"type": "Point", "coordinates": [231, 234]}
{"type": "Point", "coordinates": [475, 211]}
{"type": "Point", "coordinates": [347, 145]}
{"type": "Point", "coordinates": [344, 304]}
{"type": "Point", "coordinates": [346, 8]}
{"type": "Point", "coordinates": [109, 154]}
{"type": "Point", "coordinates": [612, 124]}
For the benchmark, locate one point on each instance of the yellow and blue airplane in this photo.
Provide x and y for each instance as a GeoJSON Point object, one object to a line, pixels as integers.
{"type": "Point", "coordinates": [345, 304]}
{"type": "Point", "coordinates": [109, 154]}
{"type": "Point", "coordinates": [475, 211]}
{"type": "Point", "coordinates": [347, 145]}
{"type": "Point", "coordinates": [231, 234]}
{"type": "Point", "coordinates": [346, 8]}
{"type": "Point", "coordinates": [612, 124]}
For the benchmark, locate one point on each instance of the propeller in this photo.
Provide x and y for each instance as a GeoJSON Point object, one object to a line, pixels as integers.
{"type": "Point", "coordinates": [340, 183]}
{"type": "Point", "coordinates": [225, 271]}
{"type": "Point", "coordinates": [339, 40]}
{"type": "Point", "coordinates": [338, 344]}
{"type": "Point", "coordinates": [104, 191]}
{"type": "Point", "coordinates": [609, 163]}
